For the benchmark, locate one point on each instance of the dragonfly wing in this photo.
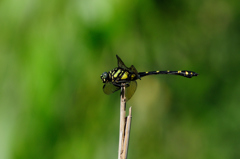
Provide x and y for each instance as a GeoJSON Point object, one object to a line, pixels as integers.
{"type": "Point", "coordinates": [121, 64]}
{"type": "Point", "coordinates": [130, 90]}
{"type": "Point", "coordinates": [109, 88]}
{"type": "Point", "coordinates": [134, 70]}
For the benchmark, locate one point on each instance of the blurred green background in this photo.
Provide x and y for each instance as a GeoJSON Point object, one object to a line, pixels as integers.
{"type": "Point", "coordinates": [52, 55]}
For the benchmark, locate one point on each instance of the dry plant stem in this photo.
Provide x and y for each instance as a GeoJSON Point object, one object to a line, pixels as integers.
{"type": "Point", "coordinates": [125, 126]}
{"type": "Point", "coordinates": [127, 133]}
{"type": "Point", "coordinates": [122, 121]}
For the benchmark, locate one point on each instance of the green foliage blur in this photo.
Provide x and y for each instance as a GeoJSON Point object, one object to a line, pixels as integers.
{"type": "Point", "coordinates": [52, 54]}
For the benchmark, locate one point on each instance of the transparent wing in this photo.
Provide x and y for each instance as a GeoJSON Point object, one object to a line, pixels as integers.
{"type": "Point", "coordinates": [130, 90]}
{"type": "Point", "coordinates": [109, 88]}
{"type": "Point", "coordinates": [121, 64]}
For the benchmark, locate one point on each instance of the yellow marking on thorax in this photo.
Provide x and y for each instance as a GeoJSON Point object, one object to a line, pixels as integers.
{"type": "Point", "coordinates": [191, 73]}
{"type": "Point", "coordinates": [146, 72]}
{"type": "Point", "coordinates": [132, 76]}
{"type": "Point", "coordinates": [186, 72]}
{"type": "Point", "coordinates": [168, 71]}
{"type": "Point", "coordinates": [179, 71]}
{"type": "Point", "coordinates": [125, 75]}
{"type": "Point", "coordinates": [116, 74]}
{"type": "Point", "coordinates": [157, 71]}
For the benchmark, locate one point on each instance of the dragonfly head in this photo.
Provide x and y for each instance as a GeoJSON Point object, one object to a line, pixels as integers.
{"type": "Point", "coordinates": [104, 77]}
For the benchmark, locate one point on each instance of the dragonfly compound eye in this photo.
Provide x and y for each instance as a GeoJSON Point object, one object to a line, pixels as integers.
{"type": "Point", "coordinates": [105, 75]}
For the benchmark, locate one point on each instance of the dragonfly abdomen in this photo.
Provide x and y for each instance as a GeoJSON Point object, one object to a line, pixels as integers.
{"type": "Point", "coordinates": [188, 74]}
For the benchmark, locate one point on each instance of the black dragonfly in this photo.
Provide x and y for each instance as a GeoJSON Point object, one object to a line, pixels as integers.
{"type": "Point", "coordinates": [128, 75]}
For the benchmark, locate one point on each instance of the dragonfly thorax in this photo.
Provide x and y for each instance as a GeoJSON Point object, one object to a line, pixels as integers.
{"type": "Point", "coordinates": [118, 75]}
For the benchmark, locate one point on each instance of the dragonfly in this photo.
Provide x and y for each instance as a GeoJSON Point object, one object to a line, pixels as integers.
{"type": "Point", "coordinates": [127, 76]}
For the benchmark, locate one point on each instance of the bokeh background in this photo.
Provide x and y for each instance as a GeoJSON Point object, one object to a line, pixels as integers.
{"type": "Point", "coordinates": [52, 54]}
